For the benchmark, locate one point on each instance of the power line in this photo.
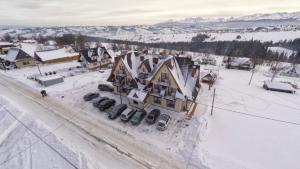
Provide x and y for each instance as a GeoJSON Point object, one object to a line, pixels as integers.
{"type": "Point", "coordinates": [238, 91]}
{"type": "Point", "coordinates": [40, 139]}
{"type": "Point", "coordinates": [251, 115]}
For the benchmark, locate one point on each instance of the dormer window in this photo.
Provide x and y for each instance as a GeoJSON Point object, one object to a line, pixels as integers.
{"type": "Point", "coordinates": [122, 67]}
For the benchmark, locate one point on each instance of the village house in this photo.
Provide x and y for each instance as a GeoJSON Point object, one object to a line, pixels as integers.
{"type": "Point", "coordinates": [238, 63]}
{"type": "Point", "coordinates": [4, 47]}
{"type": "Point", "coordinates": [95, 58]}
{"type": "Point", "coordinates": [57, 55]}
{"type": "Point", "coordinates": [166, 81]}
{"type": "Point", "coordinates": [19, 56]}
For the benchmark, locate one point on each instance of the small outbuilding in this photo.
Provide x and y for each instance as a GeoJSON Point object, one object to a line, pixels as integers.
{"type": "Point", "coordinates": [279, 87]}
{"type": "Point", "coordinates": [239, 63]}
{"type": "Point", "coordinates": [50, 80]}
{"type": "Point", "coordinates": [137, 98]}
{"type": "Point", "coordinates": [209, 77]}
{"type": "Point", "coordinates": [4, 47]}
{"type": "Point", "coordinates": [57, 55]}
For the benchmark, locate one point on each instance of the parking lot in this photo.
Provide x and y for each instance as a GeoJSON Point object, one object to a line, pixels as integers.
{"type": "Point", "coordinates": [177, 130]}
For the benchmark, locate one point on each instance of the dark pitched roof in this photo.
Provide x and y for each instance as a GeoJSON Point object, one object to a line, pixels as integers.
{"type": "Point", "coordinates": [147, 64]}
{"type": "Point", "coordinates": [185, 64]}
{"type": "Point", "coordinates": [94, 53]}
{"type": "Point", "coordinates": [22, 55]}
{"type": "Point", "coordinates": [111, 77]}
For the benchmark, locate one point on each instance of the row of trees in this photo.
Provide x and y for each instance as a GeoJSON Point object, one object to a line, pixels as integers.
{"type": "Point", "coordinates": [251, 49]}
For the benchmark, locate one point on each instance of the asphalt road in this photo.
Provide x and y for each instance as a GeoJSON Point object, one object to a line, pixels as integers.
{"type": "Point", "coordinates": [104, 146]}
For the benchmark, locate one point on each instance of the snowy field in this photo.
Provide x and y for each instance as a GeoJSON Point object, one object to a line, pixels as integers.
{"type": "Point", "coordinates": [250, 128]}
{"type": "Point", "coordinates": [275, 36]}
{"type": "Point", "coordinates": [261, 36]}
{"type": "Point", "coordinates": [20, 148]}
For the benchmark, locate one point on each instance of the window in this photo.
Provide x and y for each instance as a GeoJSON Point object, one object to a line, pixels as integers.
{"type": "Point", "coordinates": [171, 91]}
{"type": "Point", "coordinates": [135, 102]}
{"type": "Point", "coordinates": [26, 63]}
{"type": "Point", "coordinates": [156, 86]}
{"type": "Point", "coordinates": [122, 67]}
{"type": "Point", "coordinates": [170, 103]}
{"type": "Point", "coordinates": [157, 100]}
{"type": "Point", "coordinates": [164, 77]}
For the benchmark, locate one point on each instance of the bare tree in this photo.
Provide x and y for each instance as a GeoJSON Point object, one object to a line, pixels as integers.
{"type": "Point", "coordinates": [276, 66]}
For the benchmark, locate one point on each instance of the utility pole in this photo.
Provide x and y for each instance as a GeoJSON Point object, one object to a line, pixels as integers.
{"type": "Point", "coordinates": [213, 102]}
{"type": "Point", "coordinates": [30, 154]}
{"type": "Point", "coordinates": [251, 76]}
{"type": "Point", "coordinates": [37, 64]}
{"type": "Point", "coordinates": [120, 97]}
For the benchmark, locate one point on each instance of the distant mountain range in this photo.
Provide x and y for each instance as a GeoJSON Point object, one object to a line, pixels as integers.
{"type": "Point", "coordinates": [249, 21]}
{"type": "Point", "coordinates": [182, 30]}
{"type": "Point", "coordinates": [256, 17]}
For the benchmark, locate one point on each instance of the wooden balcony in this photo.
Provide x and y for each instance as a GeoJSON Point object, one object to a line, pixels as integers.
{"type": "Point", "coordinates": [121, 73]}
{"type": "Point", "coordinates": [143, 75]}
{"type": "Point", "coordinates": [164, 82]}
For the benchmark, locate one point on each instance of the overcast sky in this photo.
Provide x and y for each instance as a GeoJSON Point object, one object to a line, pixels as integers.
{"type": "Point", "coordinates": [128, 12]}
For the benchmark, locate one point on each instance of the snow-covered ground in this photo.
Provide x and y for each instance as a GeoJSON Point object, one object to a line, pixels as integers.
{"type": "Point", "coordinates": [275, 36]}
{"type": "Point", "coordinates": [22, 149]}
{"type": "Point", "coordinates": [250, 127]}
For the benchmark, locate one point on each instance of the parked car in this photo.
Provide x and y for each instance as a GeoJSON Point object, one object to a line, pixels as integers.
{"type": "Point", "coordinates": [90, 96]}
{"type": "Point", "coordinates": [127, 114]}
{"type": "Point", "coordinates": [117, 111]}
{"type": "Point", "coordinates": [106, 104]}
{"type": "Point", "coordinates": [104, 87]}
{"type": "Point", "coordinates": [138, 117]}
{"type": "Point", "coordinates": [97, 103]}
{"type": "Point", "coordinates": [152, 116]}
{"type": "Point", "coordinates": [163, 121]}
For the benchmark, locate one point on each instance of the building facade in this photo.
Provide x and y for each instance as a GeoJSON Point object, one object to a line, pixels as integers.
{"type": "Point", "coordinates": [166, 81]}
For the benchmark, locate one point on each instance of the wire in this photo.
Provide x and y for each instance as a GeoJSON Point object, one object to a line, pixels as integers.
{"type": "Point", "coordinates": [40, 139]}
{"type": "Point", "coordinates": [251, 115]}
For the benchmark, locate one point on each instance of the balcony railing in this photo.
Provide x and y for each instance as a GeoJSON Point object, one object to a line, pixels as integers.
{"type": "Point", "coordinates": [164, 82]}
{"type": "Point", "coordinates": [156, 92]}
{"type": "Point", "coordinates": [121, 73]}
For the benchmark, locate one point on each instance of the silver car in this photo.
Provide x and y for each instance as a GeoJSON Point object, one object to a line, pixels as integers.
{"type": "Point", "coordinates": [127, 114]}
{"type": "Point", "coordinates": [163, 121]}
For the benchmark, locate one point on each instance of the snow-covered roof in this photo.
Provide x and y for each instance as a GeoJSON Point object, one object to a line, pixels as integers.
{"type": "Point", "coordinates": [29, 41]}
{"type": "Point", "coordinates": [181, 72]}
{"type": "Point", "coordinates": [29, 48]}
{"type": "Point", "coordinates": [238, 61]}
{"type": "Point", "coordinates": [279, 85]}
{"type": "Point", "coordinates": [6, 44]}
{"type": "Point", "coordinates": [185, 82]}
{"type": "Point", "coordinates": [137, 95]}
{"type": "Point", "coordinates": [51, 77]}
{"type": "Point", "coordinates": [11, 55]}
{"type": "Point", "coordinates": [55, 54]}
{"type": "Point", "coordinates": [113, 54]}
